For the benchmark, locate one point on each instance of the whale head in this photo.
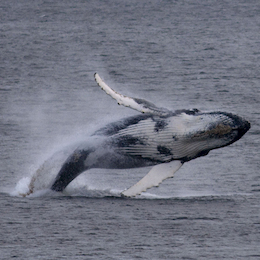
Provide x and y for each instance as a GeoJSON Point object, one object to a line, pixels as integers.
{"type": "Point", "coordinates": [212, 130]}
{"type": "Point", "coordinates": [224, 127]}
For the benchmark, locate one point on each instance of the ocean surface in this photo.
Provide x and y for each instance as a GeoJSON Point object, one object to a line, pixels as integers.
{"type": "Point", "coordinates": [176, 54]}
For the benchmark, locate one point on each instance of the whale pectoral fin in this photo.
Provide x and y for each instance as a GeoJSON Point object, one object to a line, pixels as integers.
{"type": "Point", "coordinates": [140, 105]}
{"type": "Point", "coordinates": [154, 177]}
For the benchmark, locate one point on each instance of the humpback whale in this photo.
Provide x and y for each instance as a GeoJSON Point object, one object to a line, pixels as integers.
{"type": "Point", "coordinates": [157, 137]}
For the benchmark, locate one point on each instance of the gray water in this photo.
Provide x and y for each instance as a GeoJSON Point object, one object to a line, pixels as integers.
{"type": "Point", "coordinates": [176, 54]}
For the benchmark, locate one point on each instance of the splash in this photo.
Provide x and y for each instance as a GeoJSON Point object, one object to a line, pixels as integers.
{"type": "Point", "coordinates": [41, 175]}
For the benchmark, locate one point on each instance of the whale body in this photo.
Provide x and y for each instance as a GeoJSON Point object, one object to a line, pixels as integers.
{"type": "Point", "coordinates": [158, 137]}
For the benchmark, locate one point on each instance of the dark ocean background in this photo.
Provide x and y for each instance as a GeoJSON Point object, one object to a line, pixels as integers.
{"type": "Point", "coordinates": [176, 54]}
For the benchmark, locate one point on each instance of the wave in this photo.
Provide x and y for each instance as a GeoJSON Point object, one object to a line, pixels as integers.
{"type": "Point", "coordinates": [80, 188]}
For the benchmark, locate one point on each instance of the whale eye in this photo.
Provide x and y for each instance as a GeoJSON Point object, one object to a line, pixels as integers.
{"type": "Point", "coordinates": [195, 110]}
{"type": "Point", "coordinates": [192, 111]}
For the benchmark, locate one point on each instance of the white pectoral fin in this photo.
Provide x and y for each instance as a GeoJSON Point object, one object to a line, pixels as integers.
{"type": "Point", "coordinates": [134, 103]}
{"type": "Point", "coordinates": [154, 177]}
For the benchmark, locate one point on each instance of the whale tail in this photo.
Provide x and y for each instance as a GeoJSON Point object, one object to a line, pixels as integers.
{"type": "Point", "coordinates": [73, 167]}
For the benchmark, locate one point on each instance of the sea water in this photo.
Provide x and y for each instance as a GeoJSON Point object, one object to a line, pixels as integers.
{"type": "Point", "coordinates": [176, 54]}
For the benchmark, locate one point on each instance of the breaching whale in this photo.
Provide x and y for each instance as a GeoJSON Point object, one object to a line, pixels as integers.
{"type": "Point", "coordinates": [158, 137]}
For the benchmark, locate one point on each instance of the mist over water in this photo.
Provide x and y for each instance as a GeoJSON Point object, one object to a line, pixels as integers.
{"type": "Point", "coordinates": [174, 54]}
